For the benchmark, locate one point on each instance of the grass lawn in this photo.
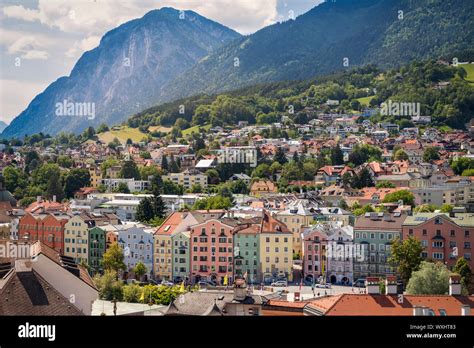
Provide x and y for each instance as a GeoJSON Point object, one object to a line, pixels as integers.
{"type": "Point", "coordinates": [365, 100]}
{"type": "Point", "coordinates": [122, 134]}
{"type": "Point", "coordinates": [470, 72]}
{"type": "Point", "coordinates": [195, 129]}
{"type": "Point", "coordinates": [160, 129]}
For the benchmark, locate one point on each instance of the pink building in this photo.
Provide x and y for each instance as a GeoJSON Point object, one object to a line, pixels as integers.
{"type": "Point", "coordinates": [212, 250]}
{"type": "Point", "coordinates": [328, 250]}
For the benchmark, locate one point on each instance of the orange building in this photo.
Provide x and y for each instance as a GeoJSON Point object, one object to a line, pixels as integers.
{"type": "Point", "coordinates": [46, 228]}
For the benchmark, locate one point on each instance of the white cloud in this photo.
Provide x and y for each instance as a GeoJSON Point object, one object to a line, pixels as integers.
{"type": "Point", "coordinates": [28, 47]}
{"type": "Point", "coordinates": [81, 46]}
{"type": "Point", "coordinates": [20, 12]}
{"type": "Point", "coordinates": [95, 18]}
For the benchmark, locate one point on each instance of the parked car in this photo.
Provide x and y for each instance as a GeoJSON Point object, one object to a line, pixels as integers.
{"type": "Point", "coordinates": [323, 286]}
{"type": "Point", "coordinates": [132, 281]}
{"type": "Point", "coordinates": [205, 283]}
{"type": "Point", "coordinates": [167, 283]}
{"type": "Point", "coordinates": [280, 283]}
{"type": "Point", "coordinates": [359, 283]}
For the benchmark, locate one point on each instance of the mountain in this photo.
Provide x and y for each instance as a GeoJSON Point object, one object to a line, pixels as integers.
{"type": "Point", "coordinates": [382, 32]}
{"type": "Point", "coordinates": [3, 125]}
{"type": "Point", "coordinates": [124, 74]}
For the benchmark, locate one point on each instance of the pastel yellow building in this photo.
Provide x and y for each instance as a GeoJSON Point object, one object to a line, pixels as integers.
{"type": "Point", "coordinates": [96, 176]}
{"type": "Point", "coordinates": [76, 239]}
{"type": "Point", "coordinates": [295, 218]}
{"type": "Point", "coordinates": [276, 245]}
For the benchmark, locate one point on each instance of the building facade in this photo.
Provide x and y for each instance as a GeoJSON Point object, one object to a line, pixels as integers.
{"type": "Point", "coordinates": [375, 232]}
{"type": "Point", "coordinates": [212, 250]}
{"type": "Point", "coordinates": [97, 245]}
{"type": "Point", "coordinates": [445, 237]}
{"type": "Point", "coordinates": [181, 254]}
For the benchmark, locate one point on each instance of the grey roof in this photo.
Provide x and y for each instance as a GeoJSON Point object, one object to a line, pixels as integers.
{"type": "Point", "coordinates": [205, 303]}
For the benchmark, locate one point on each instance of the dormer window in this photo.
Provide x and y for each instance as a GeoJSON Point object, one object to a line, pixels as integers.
{"type": "Point", "coordinates": [438, 221]}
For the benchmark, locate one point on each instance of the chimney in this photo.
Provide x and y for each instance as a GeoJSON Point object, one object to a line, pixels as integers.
{"type": "Point", "coordinates": [455, 285]}
{"type": "Point", "coordinates": [240, 290]}
{"type": "Point", "coordinates": [465, 311]}
{"type": "Point", "coordinates": [372, 285]}
{"type": "Point", "coordinates": [391, 285]}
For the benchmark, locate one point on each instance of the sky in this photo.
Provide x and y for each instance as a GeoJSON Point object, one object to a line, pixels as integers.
{"type": "Point", "coordinates": [41, 40]}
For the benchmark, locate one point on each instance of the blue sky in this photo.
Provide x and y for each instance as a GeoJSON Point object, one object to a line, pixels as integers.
{"type": "Point", "coordinates": [40, 40]}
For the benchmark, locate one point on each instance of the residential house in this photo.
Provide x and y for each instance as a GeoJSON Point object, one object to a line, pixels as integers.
{"type": "Point", "coordinates": [328, 253]}
{"type": "Point", "coordinates": [445, 237]}
{"type": "Point", "coordinates": [276, 246]}
{"type": "Point", "coordinates": [76, 238]}
{"type": "Point", "coordinates": [97, 246]}
{"type": "Point", "coordinates": [137, 243]}
{"type": "Point", "coordinates": [212, 250]}
{"type": "Point", "coordinates": [261, 187]}
{"type": "Point", "coordinates": [375, 233]}
{"type": "Point", "coordinates": [181, 253]}
{"type": "Point", "coordinates": [46, 228]}
{"type": "Point", "coordinates": [188, 178]}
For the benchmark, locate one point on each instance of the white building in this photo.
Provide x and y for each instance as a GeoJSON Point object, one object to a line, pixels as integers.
{"type": "Point", "coordinates": [132, 184]}
{"type": "Point", "coordinates": [137, 243]}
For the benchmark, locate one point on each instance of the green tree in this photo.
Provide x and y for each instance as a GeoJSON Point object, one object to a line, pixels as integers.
{"type": "Point", "coordinates": [461, 164]}
{"type": "Point", "coordinates": [14, 178]}
{"type": "Point", "coordinates": [75, 179]}
{"type": "Point", "coordinates": [400, 155]}
{"type": "Point", "coordinates": [129, 171]}
{"type": "Point", "coordinates": [145, 210]}
{"type": "Point", "coordinates": [55, 189]}
{"type": "Point", "coordinates": [140, 270]}
{"type": "Point", "coordinates": [108, 285]}
{"type": "Point", "coordinates": [113, 259]}
{"type": "Point", "coordinates": [64, 161]}
{"type": "Point", "coordinates": [406, 256]}
{"type": "Point", "coordinates": [337, 157]}
{"type": "Point", "coordinates": [213, 202]}
{"type": "Point", "coordinates": [446, 208]}
{"type": "Point", "coordinates": [464, 270]}
{"type": "Point", "coordinates": [159, 206]}
{"type": "Point", "coordinates": [385, 184]}
{"type": "Point", "coordinates": [280, 156]}
{"type": "Point", "coordinates": [429, 279]}
{"type": "Point", "coordinates": [122, 187]}
{"type": "Point", "coordinates": [102, 128]}
{"type": "Point", "coordinates": [402, 195]}
{"type": "Point", "coordinates": [132, 293]}
{"type": "Point", "coordinates": [164, 163]}
{"type": "Point", "coordinates": [431, 154]}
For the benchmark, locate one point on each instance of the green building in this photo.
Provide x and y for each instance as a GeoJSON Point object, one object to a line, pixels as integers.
{"type": "Point", "coordinates": [375, 232]}
{"type": "Point", "coordinates": [96, 248]}
{"type": "Point", "coordinates": [180, 255]}
{"type": "Point", "coordinates": [247, 254]}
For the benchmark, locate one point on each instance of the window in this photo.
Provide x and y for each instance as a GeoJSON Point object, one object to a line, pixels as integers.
{"type": "Point", "coordinates": [466, 233]}
{"type": "Point", "coordinates": [438, 256]}
{"type": "Point", "coordinates": [453, 233]}
{"type": "Point", "coordinates": [424, 232]}
{"type": "Point", "coordinates": [467, 245]}
{"type": "Point", "coordinates": [410, 231]}
{"type": "Point", "coordinates": [437, 244]}
{"type": "Point", "coordinates": [438, 221]}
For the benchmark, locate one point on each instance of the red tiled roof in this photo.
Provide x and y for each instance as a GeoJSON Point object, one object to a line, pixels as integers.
{"type": "Point", "coordinates": [388, 305]}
